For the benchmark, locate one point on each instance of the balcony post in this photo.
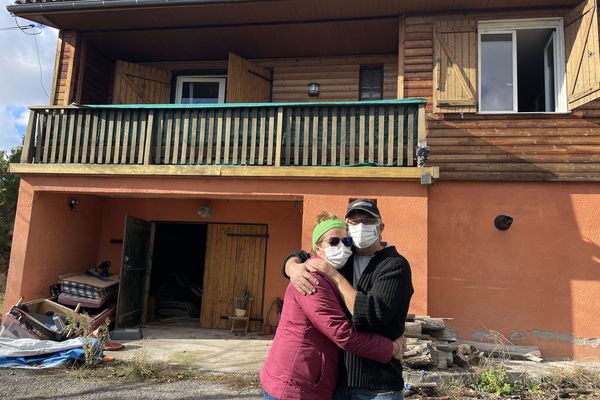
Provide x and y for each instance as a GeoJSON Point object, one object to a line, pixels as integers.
{"type": "Point", "coordinates": [27, 151]}
{"type": "Point", "coordinates": [422, 128]}
{"type": "Point", "coordinates": [148, 134]}
{"type": "Point", "coordinates": [279, 137]}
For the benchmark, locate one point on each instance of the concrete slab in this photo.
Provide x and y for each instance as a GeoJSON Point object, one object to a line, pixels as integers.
{"type": "Point", "coordinates": [187, 345]}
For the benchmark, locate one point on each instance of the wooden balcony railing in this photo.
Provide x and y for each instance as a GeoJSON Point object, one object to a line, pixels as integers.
{"type": "Point", "coordinates": [383, 133]}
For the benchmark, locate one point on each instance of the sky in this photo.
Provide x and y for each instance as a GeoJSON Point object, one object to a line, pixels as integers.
{"type": "Point", "coordinates": [20, 81]}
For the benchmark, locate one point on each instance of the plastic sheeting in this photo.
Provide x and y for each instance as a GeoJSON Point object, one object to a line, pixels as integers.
{"type": "Point", "coordinates": [32, 353]}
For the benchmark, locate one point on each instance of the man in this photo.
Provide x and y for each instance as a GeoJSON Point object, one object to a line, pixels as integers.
{"type": "Point", "coordinates": [376, 287]}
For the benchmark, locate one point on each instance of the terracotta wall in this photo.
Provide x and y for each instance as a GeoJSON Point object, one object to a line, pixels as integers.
{"type": "Point", "coordinates": [282, 217]}
{"type": "Point", "coordinates": [56, 241]}
{"type": "Point", "coordinates": [537, 283]}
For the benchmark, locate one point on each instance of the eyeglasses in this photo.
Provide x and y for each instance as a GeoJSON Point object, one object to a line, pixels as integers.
{"type": "Point", "coordinates": [334, 241]}
{"type": "Point", "coordinates": [366, 221]}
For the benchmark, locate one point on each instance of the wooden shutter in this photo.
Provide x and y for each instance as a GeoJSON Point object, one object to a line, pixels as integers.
{"type": "Point", "coordinates": [235, 259]}
{"type": "Point", "coordinates": [455, 66]}
{"type": "Point", "coordinates": [140, 84]}
{"type": "Point", "coordinates": [583, 54]}
{"type": "Point", "coordinates": [247, 82]}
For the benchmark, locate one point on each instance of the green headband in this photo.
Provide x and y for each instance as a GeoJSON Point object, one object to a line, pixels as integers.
{"type": "Point", "coordinates": [325, 226]}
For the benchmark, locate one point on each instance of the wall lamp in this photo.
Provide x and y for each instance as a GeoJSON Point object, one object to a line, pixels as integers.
{"type": "Point", "coordinates": [313, 89]}
{"type": "Point", "coordinates": [503, 222]}
{"type": "Point", "coordinates": [72, 204]}
{"type": "Point", "coordinates": [206, 212]}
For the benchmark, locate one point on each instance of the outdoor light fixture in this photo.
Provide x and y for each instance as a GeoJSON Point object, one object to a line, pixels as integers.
{"type": "Point", "coordinates": [313, 89]}
{"type": "Point", "coordinates": [72, 204]}
{"type": "Point", "coordinates": [206, 212]}
{"type": "Point", "coordinates": [503, 222]}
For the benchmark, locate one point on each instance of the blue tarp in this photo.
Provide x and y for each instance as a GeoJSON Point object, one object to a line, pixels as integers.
{"type": "Point", "coordinates": [52, 360]}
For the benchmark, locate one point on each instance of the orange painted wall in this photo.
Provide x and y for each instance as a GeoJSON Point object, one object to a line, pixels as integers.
{"type": "Point", "coordinates": [537, 283]}
{"type": "Point", "coordinates": [282, 217]}
{"type": "Point", "coordinates": [56, 241]}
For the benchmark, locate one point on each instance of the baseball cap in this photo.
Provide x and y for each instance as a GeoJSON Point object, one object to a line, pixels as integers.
{"type": "Point", "coordinates": [363, 205]}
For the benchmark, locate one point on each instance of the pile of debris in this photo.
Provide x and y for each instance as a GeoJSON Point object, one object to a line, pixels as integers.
{"type": "Point", "coordinates": [431, 344]}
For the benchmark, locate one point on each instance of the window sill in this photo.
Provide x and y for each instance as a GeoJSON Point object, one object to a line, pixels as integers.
{"type": "Point", "coordinates": [523, 113]}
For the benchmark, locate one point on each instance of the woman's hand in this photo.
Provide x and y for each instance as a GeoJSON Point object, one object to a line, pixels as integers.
{"type": "Point", "coordinates": [317, 264]}
{"type": "Point", "coordinates": [399, 347]}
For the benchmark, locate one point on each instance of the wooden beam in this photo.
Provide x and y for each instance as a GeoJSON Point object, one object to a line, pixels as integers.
{"type": "Point", "coordinates": [401, 46]}
{"type": "Point", "coordinates": [226, 171]}
{"type": "Point", "coordinates": [27, 152]}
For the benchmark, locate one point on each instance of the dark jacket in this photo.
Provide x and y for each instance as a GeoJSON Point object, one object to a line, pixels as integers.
{"type": "Point", "coordinates": [304, 358]}
{"type": "Point", "coordinates": [382, 300]}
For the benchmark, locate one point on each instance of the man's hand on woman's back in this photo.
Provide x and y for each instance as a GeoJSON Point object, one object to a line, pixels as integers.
{"type": "Point", "coordinates": [300, 276]}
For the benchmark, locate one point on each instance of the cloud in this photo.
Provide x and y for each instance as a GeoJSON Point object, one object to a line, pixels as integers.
{"type": "Point", "coordinates": [20, 80]}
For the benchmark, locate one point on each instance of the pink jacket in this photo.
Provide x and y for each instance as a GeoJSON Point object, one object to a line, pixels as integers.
{"type": "Point", "coordinates": [303, 360]}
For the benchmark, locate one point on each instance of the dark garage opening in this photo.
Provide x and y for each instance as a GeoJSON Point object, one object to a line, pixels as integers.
{"type": "Point", "coordinates": [177, 271]}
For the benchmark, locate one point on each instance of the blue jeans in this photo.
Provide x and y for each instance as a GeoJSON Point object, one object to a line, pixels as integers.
{"type": "Point", "coordinates": [268, 396]}
{"type": "Point", "coordinates": [346, 393]}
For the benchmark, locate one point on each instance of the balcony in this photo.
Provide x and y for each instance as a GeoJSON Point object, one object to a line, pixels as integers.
{"type": "Point", "coordinates": [314, 139]}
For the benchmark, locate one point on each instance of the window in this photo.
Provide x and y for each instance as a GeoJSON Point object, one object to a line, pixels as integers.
{"type": "Point", "coordinates": [371, 82]}
{"type": "Point", "coordinates": [521, 66]}
{"type": "Point", "coordinates": [200, 89]}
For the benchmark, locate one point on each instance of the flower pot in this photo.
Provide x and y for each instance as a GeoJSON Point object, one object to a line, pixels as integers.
{"type": "Point", "coordinates": [267, 330]}
{"type": "Point", "coordinates": [240, 312]}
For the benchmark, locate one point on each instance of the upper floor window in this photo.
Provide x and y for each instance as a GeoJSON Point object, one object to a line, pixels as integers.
{"type": "Point", "coordinates": [200, 89]}
{"type": "Point", "coordinates": [521, 66]}
{"type": "Point", "coordinates": [371, 82]}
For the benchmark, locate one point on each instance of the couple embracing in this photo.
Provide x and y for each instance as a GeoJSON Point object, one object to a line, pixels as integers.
{"type": "Point", "coordinates": [351, 292]}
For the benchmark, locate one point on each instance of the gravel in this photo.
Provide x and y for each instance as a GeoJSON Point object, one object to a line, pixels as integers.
{"type": "Point", "coordinates": [62, 384]}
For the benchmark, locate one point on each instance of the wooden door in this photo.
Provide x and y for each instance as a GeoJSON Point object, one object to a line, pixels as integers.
{"type": "Point", "coordinates": [235, 259]}
{"type": "Point", "coordinates": [135, 265]}
{"type": "Point", "coordinates": [247, 82]}
{"type": "Point", "coordinates": [140, 84]}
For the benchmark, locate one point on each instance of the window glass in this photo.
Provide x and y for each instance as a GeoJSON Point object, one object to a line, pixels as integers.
{"type": "Point", "coordinates": [371, 82]}
{"type": "Point", "coordinates": [200, 92]}
{"type": "Point", "coordinates": [497, 72]}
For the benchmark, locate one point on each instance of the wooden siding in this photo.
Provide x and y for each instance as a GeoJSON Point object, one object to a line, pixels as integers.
{"type": "Point", "coordinates": [65, 69]}
{"type": "Point", "coordinates": [499, 147]}
{"type": "Point", "coordinates": [247, 82]}
{"type": "Point", "coordinates": [97, 78]}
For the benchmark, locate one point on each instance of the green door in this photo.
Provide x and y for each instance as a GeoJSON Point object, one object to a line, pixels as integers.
{"type": "Point", "coordinates": [135, 264]}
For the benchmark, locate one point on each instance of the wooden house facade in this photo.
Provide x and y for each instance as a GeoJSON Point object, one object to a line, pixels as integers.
{"type": "Point", "coordinates": [235, 122]}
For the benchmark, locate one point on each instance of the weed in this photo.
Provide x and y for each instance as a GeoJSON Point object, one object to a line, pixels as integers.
{"type": "Point", "coordinates": [139, 369]}
{"type": "Point", "coordinates": [93, 340]}
{"type": "Point", "coordinates": [494, 380]}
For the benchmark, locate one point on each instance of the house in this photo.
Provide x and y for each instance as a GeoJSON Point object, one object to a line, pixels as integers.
{"type": "Point", "coordinates": [197, 140]}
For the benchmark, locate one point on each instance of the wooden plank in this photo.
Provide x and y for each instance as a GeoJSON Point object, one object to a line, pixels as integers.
{"type": "Point", "coordinates": [177, 115]}
{"type": "Point", "coordinates": [352, 152]}
{"type": "Point", "coordinates": [253, 137]}
{"type": "Point", "coordinates": [324, 135]}
{"type": "Point", "coordinates": [262, 133]}
{"type": "Point", "coordinates": [169, 116]}
{"type": "Point", "coordinates": [334, 138]}
{"type": "Point", "coordinates": [71, 117]}
{"type": "Point", "coordinates": [148, 137]}
{"type": "Point", "coordinates": [27, 151]}
{"type": "Point", "coordinates": [305, 142]}
{"type": "Point", "coordinates": [138, 146]}
{"type": "Point", "coordinates": [401, 56]}
{"type": "Point", "coordinates": [422, 124]}
{"type": "Point", "coordinates": [125, 144]}
{"type": "Point", "coordinates": [219, 140]}
{"type": "Point", "coordinates": [203, 119]}
{"type": "Point", "coordinates": [118, 135]}
{"type": "Point", "coordinates": [401, 133]}
{"type": "Point", "coordinates": [298, 122]}
{"type": "Point", "coordinates": [55, 133]}
{"type": "Point", "coordinates": [271, 136]}
{"type": "Point", "coordinates": [288, 116]}
{"type": "Point", "coordinates": [42, 120]}
{"type": "Point", "coordinates": [109, 136]}
{"type": "Point", "coordinates": [236, 135]}
{"type": "Point", "coordinates": [343, 131]}
{"type": "Point", "coordinates": [159, 139]}
{"type": "Point", "coordinates": [410, 144]}
{"type": "Point", "coordinates": [391, 137]}
{"type": "Point", "coordinates": [81, 135]}
{"type": "Point", "coordinates": [101, 133]}
{"type": "Point", "coordinates": [210, 115]}
{"type": "Point", "coordinates": [246, 121]}
{"type": "Point", "coordinates": [315, 137]}
{"type": "Point", "coordinates": [193, 144]}
{"type": "Point", "coordinates": [381, 136]}
{"type": "Point", "coordinates": [279, 138]}
{"type": "Point", "coordinates": [372, 139]}
{"type": "Point", "coordinates": [136, 116]}
{"type": "Point", "coordinates": [227, 135]}
{"type": "Point", "coordinates": [361, 135]}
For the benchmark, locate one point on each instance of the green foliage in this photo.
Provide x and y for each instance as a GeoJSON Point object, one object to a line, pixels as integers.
{"type": "Point", "coordinates": [494, 380]}
{"type": "Point", "coordinates": [9, 192]}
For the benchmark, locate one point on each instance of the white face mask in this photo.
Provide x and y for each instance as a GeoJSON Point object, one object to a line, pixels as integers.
{"type": "Point", "coordinates": [338, 255]}
{"type": "Point", "coordinates": [364, 235]}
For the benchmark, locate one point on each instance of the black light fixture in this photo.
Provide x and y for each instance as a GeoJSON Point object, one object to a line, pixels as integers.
{"type": "Point", "coordinates": [503, 222]}
{"type": "Point", "coordinates": [72, 204]}
{"type": "Point", "coordinates": [313, 89]}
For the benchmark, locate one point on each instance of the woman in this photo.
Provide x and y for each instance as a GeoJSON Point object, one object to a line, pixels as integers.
{"type": "Point", "coordinates": [303, 360]}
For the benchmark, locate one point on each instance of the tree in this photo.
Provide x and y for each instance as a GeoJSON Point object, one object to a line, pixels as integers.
{"type": "Point", "coordinates": [9, 193]}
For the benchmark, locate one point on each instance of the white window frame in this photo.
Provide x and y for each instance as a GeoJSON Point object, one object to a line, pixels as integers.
{"type": "Point", "coordinates": [200, 78]}
{"type": "Point", "coordinates": [511, 26]}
